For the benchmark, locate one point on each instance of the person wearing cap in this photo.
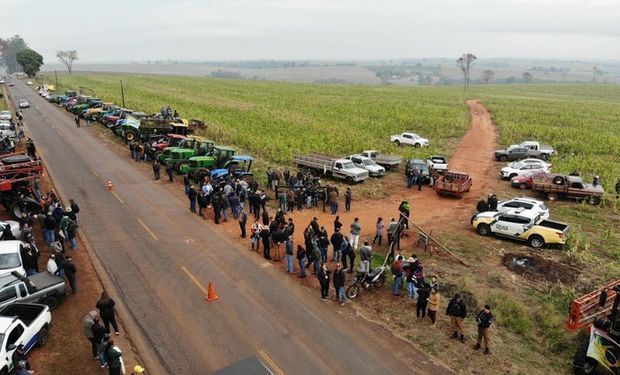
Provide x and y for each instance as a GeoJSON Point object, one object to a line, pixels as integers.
{"type": "Point", "coordinates": [457, 311]}
{"type": "Point", "coordinates": [137, 369]}
{"type": "Point", "coordinates": [484, 319]}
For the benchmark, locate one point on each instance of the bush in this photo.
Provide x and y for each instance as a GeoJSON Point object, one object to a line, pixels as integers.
{"type": "Point", "coordinates": [509, 313]}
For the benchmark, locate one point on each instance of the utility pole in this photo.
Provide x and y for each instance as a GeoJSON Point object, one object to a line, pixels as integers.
{"type": "Point", "coordinates": [57, 87]}
{"type": "Point", "coordinates": [122, 94]}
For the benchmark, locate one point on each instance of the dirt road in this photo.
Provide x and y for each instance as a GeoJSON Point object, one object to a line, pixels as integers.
{"type": "Point", "coordinates": [160, 257]}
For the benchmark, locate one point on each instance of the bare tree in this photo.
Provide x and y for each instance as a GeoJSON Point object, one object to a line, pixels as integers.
{"type": "Point", "coordinates": [464, 62]}
{"type": "Point", "coordinates": [527, 77]}
{"type": "Point", "coordinates": [488, 76]}
{"type": "Point", "coordinates": [67, 58]}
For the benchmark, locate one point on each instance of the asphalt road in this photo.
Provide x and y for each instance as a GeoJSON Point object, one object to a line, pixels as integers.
{"type": "Point", "coordinates": [160, 258]}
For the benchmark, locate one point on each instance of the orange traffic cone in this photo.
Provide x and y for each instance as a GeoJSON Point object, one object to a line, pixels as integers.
{"type": "Point", "coordinates": [110, 185]}
{"type": "Point", "coordinates": [211, 296]}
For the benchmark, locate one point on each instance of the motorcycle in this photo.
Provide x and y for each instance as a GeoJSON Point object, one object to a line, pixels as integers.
{"type": "Point", "coordinates": [376, 278]}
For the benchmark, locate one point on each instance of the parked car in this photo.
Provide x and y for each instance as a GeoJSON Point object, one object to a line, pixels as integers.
{"type": "Point", "coordinates": [411, 139]}
{"type": "Point", "coordinates": [526, 204]}
{"type": "Point", "coordinates": [374, 169]}
{"type": "Point", "coordinates": [422, 168]}
{"type": "Point", "coordinates": [11, 257]}
{"type": "Point", "coordinates": [6, 130]}
{"type": "Point", "coordinates": [518, 169]}
{"type": "Point", "coordinates": [518, 153]}
{"type": "Point", "coordinates": [525, 181]}
{"type": "Point", "coordinates": [534, 145]}
{"type": "Point", "coordinates": [11, 84]}
{"type": "Point", "coordinates": [332, 167]}
{"type": "Point", "coordinates": [42, 287]}
{"type": "Point", "coordinates": [386, 161]}
{"type": "Point", "coordinates": [438, 163]}
{"type": "Point", "coordinates": [522, 225]}
{"type": "Point", "coordinates": [24, 324]}
{"type": "Point", "coordinates": [5, 115]}
{"type": "Point", "coordinates": [29, 83]}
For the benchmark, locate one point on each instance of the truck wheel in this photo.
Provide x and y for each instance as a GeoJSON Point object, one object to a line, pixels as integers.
{"type": "Point", "coordinates": [536, 241]}
{"type": "Point", "coordinates": [484, 230]}
{"type": "Point", "coordinates": [552, 196]}
{"type": "Point", "coordinates": [51, 302]}
{"type": "Point", "coordinates": [417, 145]}
{"type": "Point", "coordinates": [350, 180]}
{"type": "Point", "coordinates": [42, 336]}
{"type": "Point", "coordinates": [523, 186]}
{"type": "Point", "coordinates": [397, 143]}
{"type": "Point", "coordinates": [558, 180]}
{"type": "Point", "coordinates": [594, 200]}
{"type": "Point", "coordinates": [582, 364]}
{"type": "Point", "coordinates": [503, 158]}
{"type": "Point", "coordinates": [512, 175]}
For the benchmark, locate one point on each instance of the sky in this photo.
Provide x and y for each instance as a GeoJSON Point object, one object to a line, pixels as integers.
{"type": "Point", "coordinates": [190, 30]}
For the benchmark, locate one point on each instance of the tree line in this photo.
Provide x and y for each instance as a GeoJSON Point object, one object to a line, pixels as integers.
{"type": "Point", "coordinates": [16, 56]}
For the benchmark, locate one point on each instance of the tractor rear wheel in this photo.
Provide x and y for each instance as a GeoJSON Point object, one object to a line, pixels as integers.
{"type": "Point", "coordinates": [582, 364]}
{"type": "Point", "coordinates": [130, 136]}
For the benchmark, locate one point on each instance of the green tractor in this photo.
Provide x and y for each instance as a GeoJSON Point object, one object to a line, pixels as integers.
{"type": "Point", "coordinates": [221, 157]}
{"type": "Point", "coordinates": [178, 157]}
{"type": "Point", "coordinates": [200, 145]}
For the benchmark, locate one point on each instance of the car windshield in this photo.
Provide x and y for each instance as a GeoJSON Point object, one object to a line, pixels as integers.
{"type": "Point", "coordinates": [415, 136]}
{"type": "Point", "coordinates": [368, 162]}
{"type": "Point", "coordinates": [543, 207]}
{"type": "Point", "coordinates": [8, 261]}
{"type": "Point", "coordinates": [347, 165]}
{"type": "Point", "coordinates": [518, 165]}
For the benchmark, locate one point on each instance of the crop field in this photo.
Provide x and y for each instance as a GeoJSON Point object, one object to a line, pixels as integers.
{"type": "Point", "coordinates": [273, 120]}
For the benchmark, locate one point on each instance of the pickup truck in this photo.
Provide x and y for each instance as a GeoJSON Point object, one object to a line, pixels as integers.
{"type": "Point", "coordinates": [386, 161]}
{"type": "Point", "coordinates": [536, 146]}
{"type": "Point", "coordinates": [408, 138]}
{"type": "Point", "coordinates": [41, 287]}
{"type": "Point", "coordinates": [453, 183]}
{"type": "Point", "coordinates": [554, 186]}
{"type": "Point", "coordinates": [522, 225]}
{"type": "Point", "coordinates": [332, 167]}
{"type": "Point", "coordinates": [438, 163]}
{"type": "Point", "coordinates": [518, 153]}
{"type": "Point", "coordinates": [374, 169]}
{"type": "Point", "coordinates": [22, 323]}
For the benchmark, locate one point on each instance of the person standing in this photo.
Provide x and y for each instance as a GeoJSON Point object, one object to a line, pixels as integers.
{"type": "Point", "coordinates": [337, 224]}
{"type": "Point", "coordinates": [379, 231]}
{"type": "Point", "coordinates": [191, 195]}
{"type": "Point", "coordinates": [87, 323]}
{"type": "Point", "coordinates": [323, 244]}
{"type": "Point", "coordinates": [255, 235]}
{"type": "Point", "coordinates": [186, 183]}
{"type": "Point", "coordinates": [19, 355]}
{"type": "Point", "coordinates": [397, 271]}
{"type": "Point", "coordinates": [301, 259]}
{"type": "Point", "coordinates": [333, 200]}
{"type": "Point", "coordinates": [316, 255]}
{"type": "Point", "coordinates": [266, 237]}
{"type": "Point", "coordinates": [410, 177]}
{"type": "Point", "coordinates": [405, 211]}
{"type": "Point", "coordinates": [282, 200]}
{"type": "Point", "coordinates": [288, 252]}
{"type": "Point", "coordinates": [323, 276]}
{"type": "Point", "coordinates": [115, 359]}
{"type": "Point", "coordinates": [107, 312]}
{"type": "Point", "coordinates": [492, 202]}
{"type": "Point", "coordinates": [484, 319]}
{"type": "Point", "coordinates": [457, 311]}
{"type": "Point", "coordinates": [71, 273]}
{"type": "Point", "coordinates": [433, 306]}
{"type": "Point", "coordinates": [348, 197]}
{"type": "Point", "coordinates": [72, 234]}
{"type": "Point", "coordinates": [422, 302]}
{"type": "Point", "coordinates": [76, 118]}
{"type": "Point", "coordinates": [201, 199]}
{"type": "Point", "coordinates": [98, 336]}
{"type": "Point", "coordinates": [156, 169]}
{"type": "Point", "coordinates": [356, 229]}
{"type": "Point", "coordinates": [243, 220]}
{"type": "Point", "coordinates": [336, 240]}
{"type": "Point", "coordinates": [351, 254]}
{"type": "Point", "coordinates": [390, 230]}
{"type": "Point", "coordinates": [366, 257]}
{"type": "Point", "coordinates": [339, 280]}
{"type": "Point", "coordinates": [169, 171]}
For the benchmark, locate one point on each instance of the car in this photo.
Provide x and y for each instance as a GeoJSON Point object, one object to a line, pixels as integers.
{"type": "Point", "coordinates": [2, 81]}
{"type": "Point", "coordinates": [11, 84]}
{"type": "Point", "coordinates": [29, 83]}
{"type": "Point", "coordinates": [374, 169]}
{"type": "Point", "coordinates": [5, 115]}
{"type": "Point", "coordinates": [422, 168]}
{"type": "Point", "coordinates": [14, 225]}
{"type": "Point", "coordinates": [6, 130]}
{"type": "Point", "coordinates": [409, 138]}
{"type": "Point", "coordinates": [525, 181]}
{"type": "Point", "coordinates": [438, 163]}
{"type": "Point", "coordinates": [23, 103]}
{"type": "Point", "coordinates": [529, 160]}
{"type": "Point", "coordinates": [41, 287]}
{"type": "Point", "coordinates": [526, 204]}
{"type": "Point", "coordinates": [518, 169]}
{"type": "Point", "coordinates": [11, 258]}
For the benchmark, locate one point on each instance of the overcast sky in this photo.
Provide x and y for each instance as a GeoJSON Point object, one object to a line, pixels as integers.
{"type": "Point", "coordinates": [139, 30]}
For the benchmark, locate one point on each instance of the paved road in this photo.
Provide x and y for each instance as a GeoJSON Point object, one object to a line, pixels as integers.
{"type": "Point", "coordinates": [160, 257]}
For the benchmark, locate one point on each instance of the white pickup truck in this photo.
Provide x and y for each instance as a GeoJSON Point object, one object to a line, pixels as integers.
{"type": "Point", "coordinates": [546, 150]}
{"type": "Point", "coordinates": [22, 323]}
{"type": "Point", "coordinates": [374, 169]}
{"type": "Point", "coordinates": [408, 138]}
{"type": "Point", "coordinates": [438, 163]}
{"type": "Point", "coordinates": [332, 167]}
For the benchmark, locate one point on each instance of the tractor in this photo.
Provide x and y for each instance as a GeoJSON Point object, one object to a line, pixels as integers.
{"type": "Point", "coordinates": [601, 350]}
{"type": "Point", "coordinates": [199, 145]}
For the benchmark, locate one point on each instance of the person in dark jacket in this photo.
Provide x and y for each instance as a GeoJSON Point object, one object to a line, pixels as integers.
{"type": "Point", "coordinates": [7, 234]}
{"type": "Point", "coordinates": [302, 259]}
{"type": "Point", "coordinates": [98, 336]}
{"type": "Point", "coordinates": [423, 294]}
{"type": "Point", "coordinates": [216, 210]}
{"type": "Point", "coordinates": [243, 220]}
{"type": "Point", "coordinates": [337, 223]}
{"type": "Point", "coordinates": [265, 235]}
{"type": "Point", "coordinates": [484, 319]}
{"type": "Point", "coordinates": [492, 202]}
{"type": "Point", "coordinates": [339, 280]}
{"type": "Point", "coordinates": [324, 277]}
{"type": "Point", "coordinates": [20, 355]}
{"type": "Point", "coordinates": [336, 241]}
{"type": "Point", "coordinates": [186, 183]}
{"type": "Point", "coordinates": [192, 195]}
{"type": "Point", "coordinates": [71, 273]}
{"type": "Point", "coordinates": [113, 356]}
{"type": "Point", "coordinates": [457, 311]}
{"type": "Point", "coordinates": [315, 226]}
{"type": "Point", "coordinates": [29, 259]}
{"type": "Point", "coordinates": [107, 312]}
{"type": "Point", "coordinates": [156, 169]}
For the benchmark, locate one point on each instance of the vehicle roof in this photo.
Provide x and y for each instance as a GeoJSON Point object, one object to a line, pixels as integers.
{"type": "Point", "coordinates": [522, 212]}
{"type": "Point", "coordinates": [437, 157]}
{"type": "Point", "coordinates": [417, 161]}
{"type": "Point", "coordinates": [359, 156]}
{"type": "Point", "coordinates": [7, 247]}
{"type": "Point", "coordinates": [5, 322]}
{"type": "Point", "coordinates": [523, 199]}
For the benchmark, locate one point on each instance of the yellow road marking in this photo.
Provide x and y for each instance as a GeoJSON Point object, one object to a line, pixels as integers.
{"type": "Point", "coordinates": [147, 229]}
{"type": "Point", "coordinates": [271, 362]}
{"type": "Point", "coordinates": [117, 197]}
{"type": "Point", "coordinates": [195, 280]}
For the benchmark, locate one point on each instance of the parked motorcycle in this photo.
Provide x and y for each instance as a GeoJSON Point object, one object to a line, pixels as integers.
{"type": "Point", "coordinates": [364, 280]}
